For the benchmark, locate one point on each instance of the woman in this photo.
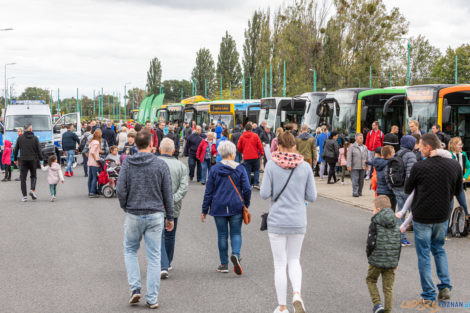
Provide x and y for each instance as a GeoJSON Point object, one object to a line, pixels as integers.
{"type": "Point", "coordinates": [331, 154]}
{"type": "Point", "coordinates": [223, 137]}
{"type": "Point", "coordinates": [122, 138]}
{"type": "Point", "coordinates": [455, 148]}
{"type": "Point", "coordinates": [287, 219]}
{"type": "Point", "coordinates": [222, 201]}
{"type": "Point", "coordinates": [93, 166]}
{"type": "Point", "coordinates": [205, 151]}
{"type": "Point", "coordinates": [274, 146]}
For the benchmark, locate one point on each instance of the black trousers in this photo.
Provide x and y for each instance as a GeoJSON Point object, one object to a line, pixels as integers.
{"type": "Point", "coordinates": [25, 166]}
{"type": "Point", "coordinates": [332, 172]}
{"type": "Point", "coordinates": [7, 172]}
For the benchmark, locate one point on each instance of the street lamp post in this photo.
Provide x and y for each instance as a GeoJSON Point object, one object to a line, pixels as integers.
{"type": "Point", "coordinates": [6, 81]}
{"type": "Point", "coordinates": [125, 102]}
{"type": "Point", "coordinates": [8, 95]}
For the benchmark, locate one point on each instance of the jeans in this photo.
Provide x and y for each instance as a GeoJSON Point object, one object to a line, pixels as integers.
{"type": "Point", "coordinates": [401, 197]}
{"type": "Point", "coordinates": [430, 238]}
{"type": "Point", "coordinates": [70, 159]}
{"type": "Point", "coordinates": [370, 158]}
{"type": "Point", "coordinates": [357, 181]}
{"type": "Point", "coordinates": [192, 163]}
{"type": "Point", "coordinates": [462, 201]}
{"type": "Point", "coordinates": [238, 157]}
{"type": "Point", "coordinates": [150, 227]}
{"type": "Point", "coordinates": [92, 179]}
{"type": "Point", "coordinates": [252, 165]}
{"type": "Point", "coordinates": [168, 246]}
{"type": "Point", "coordinates": [26, 166]}
{"type": "Point", "coordinates": [222, 223]}
{"type": "Point", "coordinates": [53, 189]}
{"type": "Point", "coordinates": [85, 163]}
{"type": "Point", "coordinates": [388, 279]}
{"type": "Point", "coordinates": [323, 164]}
{"type": "Point", "coordinates": [206, 167]}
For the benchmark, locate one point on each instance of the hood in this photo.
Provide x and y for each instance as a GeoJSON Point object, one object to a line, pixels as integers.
{"type": "Point", "coordinates": [380, 163]}
{"type": "Point", "coordinates": [304, 136]}
{"type": "Point", "coordinates": [141, 159]}
{"type": "Point", "coordinates": [230, 163]}
{"type": "Point", "coordinates": [249, 134]}
{"type": "Point", "coordinates": [55, 166]}
{"type": "Point", "coordinates": [223, 169]}
{"type": "Point", "coordinates": [408, 142]}
{"type": "Point", "coordinates": [28, 134]}
{"type": "Point", "coordinates": [385, 218]}
{"type": "Point", "coordinates": [287, 160]}
{"type": "Point", "coordinates": [7, 143]}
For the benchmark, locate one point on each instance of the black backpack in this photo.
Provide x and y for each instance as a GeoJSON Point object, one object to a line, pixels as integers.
{"type": "Point", "coordinates": [396, 171]}
{"type": "Point", "coordinates": [458, 224]}
{"type": "Point", "coordinates": [82, 144]}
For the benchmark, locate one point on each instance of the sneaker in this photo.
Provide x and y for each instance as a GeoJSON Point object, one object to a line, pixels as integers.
{"type": "Point", "coordinates": [71, 173]}
{"type": "Point", "coordinates": [152, 306]}
{"type": "Point", "coordinates": [4, 179]}
{"type": "Point", "coordinates": [170, 268]}
{"type": "Point", "coordinates": [67, 174]}
{"type": "Point", "coordinates": [92, 195]}
{"type": "Point", "coordinates": [403, 243]}
{"type": "Point", "coordinates": [355, 195]}
{"type": "Point", "coordinates": [164, 274]}
{"type": "Point", "coordinates": [25, 199]}
{"type": "Point", "coordinates": [278, 310]}
{"type": "Point", "coordinates": [426, 303]}
{"type": "Point", "coordinates": [407, 242]}
{"type": "Point", "coordinates": [378, 309]}
{"type": "Point", "coordinates": [74, 165]}
{"type": "Point", "coordinates": [135, 296]}
{"type": "Point", "coordinates": [444, 294]}
{"type": "Point", "coordinates": [52, 199]}
{"type": "Point", "coordinates": [298, 304]}
{"type": "Point", "coordinates": [18, 179]}
{"type": "Point", "coordinates": [222, 269]}
{"type": "Point", "coordinates": [236, 264]}
{"type": "Point", "coordinates": [256, 187]}
{"type": "Point", "coordinates": [33, 195]}
{"type": "Point", "coordinates": [203, 183]}
{"type": "Point", "coordinates": [342, 183]}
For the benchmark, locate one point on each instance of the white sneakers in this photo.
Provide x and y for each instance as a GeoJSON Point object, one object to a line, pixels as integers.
{"type": "Point", "coordinates": [298, 304]}
{"type": "Point", "coordinates": [278, 310]}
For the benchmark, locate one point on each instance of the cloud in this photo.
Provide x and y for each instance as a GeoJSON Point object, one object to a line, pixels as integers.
{"type": "Point", "coordinates": [213, 5]}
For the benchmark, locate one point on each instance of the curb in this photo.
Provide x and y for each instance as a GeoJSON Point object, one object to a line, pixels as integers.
{"type": "Point", "coordinates": [320, 194]}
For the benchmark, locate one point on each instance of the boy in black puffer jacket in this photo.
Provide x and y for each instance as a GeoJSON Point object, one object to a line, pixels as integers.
{"type": "Point", "coordinates": [383, 253]}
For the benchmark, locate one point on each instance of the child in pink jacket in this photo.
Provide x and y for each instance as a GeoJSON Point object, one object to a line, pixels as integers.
{"type": "Point", "coordinates": [54, 175]}
{"type": "Point", "coordinates": [6, 160]}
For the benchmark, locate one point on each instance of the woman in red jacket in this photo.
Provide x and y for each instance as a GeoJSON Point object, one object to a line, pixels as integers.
{"type": "Point", "coordinates": [206, 150]}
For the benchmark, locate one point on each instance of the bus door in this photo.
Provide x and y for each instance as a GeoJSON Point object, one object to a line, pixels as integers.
{"type": "Point", "coordinates": [326, 110]}
{"type": "Point", "coordinates": [291, 111]}
{"type": "Point", "coordinates": [189, 115]}
{"type": "Point", "coordinates": [162, 115]}
{"type": "Point", "coordinates": [387, 109]}
{"type": "Point", "coordinates": [456, 116]}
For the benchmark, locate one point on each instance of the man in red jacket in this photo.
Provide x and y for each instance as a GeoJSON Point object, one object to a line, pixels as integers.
{"type": "Point", "coordinates": [250, 146]}
{"type": "Point", "coordinates": [154, 142]}
{"type": "Point", "coordinates": [374, 139]}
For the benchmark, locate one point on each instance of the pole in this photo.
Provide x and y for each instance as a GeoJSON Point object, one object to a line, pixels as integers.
{"type": "Point", "coordinates": [102, 104]}
{"type": "Point", "coordinates": [125, 103]}
{"type": "Point", "coordinates": [265, 82]}
{"type": "Point", "coordinates": [5, 86]}
{"type": "Point", "coordinates": [81, 106]}
{"type": "Point", "coordinates": [270, 80]}
{"type": "Point", "coordinates": [250, 87]}
{"type": "Point", "coordinates": [243, 85]}
{"type": "Point", "coordinates": [109, 111]}
{"type": "Point", "coordinates": [456, 68]}
{"type": "Point", "coordinates": [370, 76]}
{"type": "Point", "coordinates": [314, 80]}
{"type": "Point", "coordinates": [77, 105]}
{"type": "Point", "coordinates": [262, 88]}
{"type": "Point", "coordinates": [230, 89]}
{"type": "Point", "coordinates": [205, 88]}
{"type": "Point", "coordinates": [408, 67]}
{"type": "Point", "coordinates": [284, 86]}
{"type": "Point", "coordinates": [58, 101]}
{"type": "Point", "coordinates": [133, 101]}
{"type": "Point", "coordinates": [220, 87]}
{"type": "Point", "coordinates": [181, 95]}
{"type": "Point", "coordinates": [50, 101]}
{"type": "Point", "coordinates": [94, 103]}
{"type": "Point", "coordinates": [390, 79]}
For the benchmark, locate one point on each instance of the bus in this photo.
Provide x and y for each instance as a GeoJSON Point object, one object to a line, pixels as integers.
{"type": "Point", "coordinates": [171, 112]}
{"type": "Point", "coordinates": [198, 112]}
{"type": "Point", "coordinates": [233, 112]}
{"type": "Point", "coordinates": [279, 111]}
{"type": "Point", "coordinates": [311, 119]}
{"type": "Point", "coordinates": [133, 114]}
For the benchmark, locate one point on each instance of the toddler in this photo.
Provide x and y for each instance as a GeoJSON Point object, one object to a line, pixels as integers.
{"type": "Point", "coordinates": [54, 175]}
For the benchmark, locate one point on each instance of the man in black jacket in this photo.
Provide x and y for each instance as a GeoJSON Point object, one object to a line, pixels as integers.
{"type": "Point", "coordinates": [160, 134]}
{"type": "Point", "coordinates": [173, 136]}
{"type": "Point", "coordinates": [109, 134]}
{"type": "Point", "coordinates": [69, 144]}
{"type": "Point", "coordinates": [27, 146]}
{"type": "Point", "coordinates": [435, 181]}
{"type": "Point", "coordinates": [190, 150]}
{"type": "Point", "coordinates": [391, 139]}
{"type": "Point", "coordinates": [443, 137]}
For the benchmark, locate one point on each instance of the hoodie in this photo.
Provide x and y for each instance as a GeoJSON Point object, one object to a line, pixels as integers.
{"type": "Point", "coordinates": [220, 197]}
{"type": "Point", "coordinates": [288, 215]}
{"type": "Point", "coordinates": [144, 186]}
{"type": "Point", "coordinates": [407, 144]}
{"type": "Point", "coordinates": [250, 146]}
{"type": "Point", "coordinates": [380, 166]}
{"type": "Point", "coordinates": [306, 146]}
{"type": "Point", "coordinates": [6, 157]}
{"type": "Point", "coordinates": [383, 241]}
{"type": "Point", "coordinates": [28, 146]}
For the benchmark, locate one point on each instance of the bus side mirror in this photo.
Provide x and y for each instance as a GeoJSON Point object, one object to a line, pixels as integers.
{"type": "Point", "coordinates": [446, 112]}
{"type": "Point", "coordinates": [266, 115]}
{"type": "Point", "coordinates": [337, 108]}
{"type": "Point", "coordinates": [364, 111]}
{"type": "Point", "coordinates": [410, 107]}
{"type": "Point", "coordinates": [56, 129]}
{"type": "Point", "coordinates": [283, 116]}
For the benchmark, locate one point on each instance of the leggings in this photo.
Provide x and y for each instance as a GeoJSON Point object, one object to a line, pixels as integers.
{"type": "Point", "coordinates": [343, 172]}
{"type": "Point", "coordinates": [286, 253]}
{"type": "Point", "coordinates": [331, 170]}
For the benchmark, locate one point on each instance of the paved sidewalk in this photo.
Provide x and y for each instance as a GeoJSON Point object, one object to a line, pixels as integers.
{"type": "Point", "coordinates": [343, 193]}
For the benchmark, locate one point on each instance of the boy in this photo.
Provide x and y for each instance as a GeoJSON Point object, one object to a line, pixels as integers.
{"type": "Point", "coordinates": [381, 164]}
{"type": "Point", "coordinates": [383, 253]}
{"type": "Point", "coordinates": [113, 155]}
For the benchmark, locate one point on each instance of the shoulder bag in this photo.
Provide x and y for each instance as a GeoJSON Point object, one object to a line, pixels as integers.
{"type": "Point", "coordinates": [246, 213]}
{"type": "Point", "coordinates": [264, 217]}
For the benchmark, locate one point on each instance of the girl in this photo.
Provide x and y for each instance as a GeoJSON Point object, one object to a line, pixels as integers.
{"type": "Point", "coordinates": [54, 175]}
{"type": "Point", "coordinates": [93, 166]}
{"type": "Point", "coordinates": [343, 152]}
{"type": "Point", "coordinates": [6, 160]}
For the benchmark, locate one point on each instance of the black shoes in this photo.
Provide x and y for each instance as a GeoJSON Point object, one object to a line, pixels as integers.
{"type": "Point", "coordinates": [236, 264]}
{"type": "Point", "coordinates": [222, 269]}
{"type": "Point", "coordinates": [135, 296]}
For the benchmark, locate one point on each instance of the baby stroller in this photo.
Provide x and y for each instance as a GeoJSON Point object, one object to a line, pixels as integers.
{"type": "Point", "coordinates": [108, 177]}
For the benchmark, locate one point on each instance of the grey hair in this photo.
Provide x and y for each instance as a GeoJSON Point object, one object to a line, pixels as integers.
{"type": "Point", "coordinates": [167, 145]}
{"type": "Point", "coordinates": [226, 149]}
{"type": "Point", "coordinates": [359, 134]}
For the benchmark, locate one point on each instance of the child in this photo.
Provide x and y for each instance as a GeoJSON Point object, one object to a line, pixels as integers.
{"type": "Point", "coordinates": [381, 164]}
{"type": "Point", "coordinates": [343, 152]}
{"type": "Point", "coordinates": [373, 181]}
{"type": "Point", "coordinates": [383, 253]}
{"type": "Point", "coordinates": [54, 175]}
{"type": "Point", "coordinates": [113, 155]}
{"type": "Point", "coordinates": [129, 147]}
{"type": "Point", "coordinates": [6, 160]}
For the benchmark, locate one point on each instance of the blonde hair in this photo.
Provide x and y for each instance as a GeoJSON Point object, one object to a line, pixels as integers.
{"type": "Point", "coordinates": [414, 122]}
{"type": "Point", "coordinates": [382, 202]}
{"type": "Point", "coordinates": [123, 129]}
{"type": "Point", "coordinates": [453, 143]}
{"type": "Point", "coordinates": [279, 131]}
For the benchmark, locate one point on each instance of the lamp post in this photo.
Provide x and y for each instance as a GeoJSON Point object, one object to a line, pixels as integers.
{"type": "Point", "coordinates": [6, 103]}
{"type": "Point", "coordinates": [314, 79]}
{"type": "Point", "coordinates": [6, 81]}
{"type": "Point", "coordinates": [125, 102]}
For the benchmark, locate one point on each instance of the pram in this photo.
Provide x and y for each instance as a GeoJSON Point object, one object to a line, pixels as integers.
{"type": "Point", "coordinates": [108, 177]}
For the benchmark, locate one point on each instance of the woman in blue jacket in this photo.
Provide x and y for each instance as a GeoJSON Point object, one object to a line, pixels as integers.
{"type": "Point", "coordinates": [223, 203]}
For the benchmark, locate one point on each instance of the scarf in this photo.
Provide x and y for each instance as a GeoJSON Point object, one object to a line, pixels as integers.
{"type": "Point", "coordinates": [287, 160]}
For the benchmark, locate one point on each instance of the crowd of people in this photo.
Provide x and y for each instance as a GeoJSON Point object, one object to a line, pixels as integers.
{"type": "Point", "coordinates": [417, 173]}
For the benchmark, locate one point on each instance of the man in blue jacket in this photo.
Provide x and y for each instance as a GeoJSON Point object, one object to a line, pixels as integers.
{"type": "Point", "coordinates": [69, 144]}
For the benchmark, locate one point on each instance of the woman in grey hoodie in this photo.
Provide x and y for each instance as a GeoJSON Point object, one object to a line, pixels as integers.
{"type": "Point", "coordinates": [287, 220]}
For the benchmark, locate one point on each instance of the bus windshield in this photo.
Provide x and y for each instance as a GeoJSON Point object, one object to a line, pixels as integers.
{"type": "Point", "coordinates": [345, 121]}
{"type": "Point", "coordinates": [270, 119]}
{"type": "Point", "coordinates": [39, 122]}
{"type": "Point", "coordinates": [226, 119]}
{"type": "Point", "coordinates": [423, 101]}
{"type": "Point", "coordinates": [312, 120]}
{"type": "Point", "coordinates": [163, 115]}
{"type": "Point", "coordinates": [188, 116]}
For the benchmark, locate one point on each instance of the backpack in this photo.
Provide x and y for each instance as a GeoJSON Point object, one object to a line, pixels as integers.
{"type": "Point", "coordinates": [458, 224]}
{"type": "Point", "coordinates": [82, 144]}
{"type": "Point", "coordinates": [396, 171]}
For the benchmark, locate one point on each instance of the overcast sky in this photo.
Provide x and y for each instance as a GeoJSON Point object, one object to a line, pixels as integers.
{"type": "Point", "coordinates": [91, 44]}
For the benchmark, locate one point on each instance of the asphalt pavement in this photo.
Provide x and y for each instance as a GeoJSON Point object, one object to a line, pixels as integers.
{"type": "Point", "coordinates": [67, 256]}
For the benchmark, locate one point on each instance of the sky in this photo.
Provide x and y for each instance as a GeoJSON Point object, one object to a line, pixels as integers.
{"type": "Point", "coordinates": [94, 44]}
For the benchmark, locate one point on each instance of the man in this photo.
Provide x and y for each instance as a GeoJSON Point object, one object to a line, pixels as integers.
{"type": "Point", "coordinates": [93, 126]}
{"type": "Point", "coordinates": [414, 127]}
{"type": "Point", "coordinates": [155, 141]}
{"type": "Point", "coordinates": [219, 129]}
{"type": "Point", "coordinates": [266, 137]}
{"type": "Point", "coordinates": [391, 139]}
{"type": "Point", "coordinates": [88, 135]}
{"type": "Point", "coordinates": [250, 147]}
{"type": "Point", "coordinates": [171, 135]}
{"type": "Point", "coordinates": [145, 193]}
{"type": "Point", "coordinates": [436, 181]}
{"type": "Point", "coordinates": [69, 144]}
{"type": "Point", "coordinates": [356, 163]}
{"type": "Point", "coordinates": [237, 133]}
{"type": "Point", "coordinates": [374, 140]}
{"type": "Point", "coordinates": [109, 134]}
{"type": "Point", "coordinates": [160, 134]}
{"type": "Point", "coordinates": [27, 146]}
{"type": "Point", "coordinates": [443, 137]}
{"type": "Point", "coordinates": [306, 146]}
{"type": "Point", "coordinates": [321, 138]}
{"type": "Point", "coordinates": [179, 181]}
{"type": "Point", "coordinates": [190, 150]}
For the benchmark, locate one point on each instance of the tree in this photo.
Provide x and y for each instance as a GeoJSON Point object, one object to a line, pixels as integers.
{"type": "Point", "coordinates": [35, 93]}
{"type": "Point", "coordinates": [423, 57]}
{"type": "Point", "coordinates": [136, 96]}
{"type": "Point", "coordinates": [203, 72]}
{"type": "Point", "coordinates": [250, 47]}
{"type": "Point", "coordinates": [228, 65]}
{"type": "Point", "coordinates": [154, 76]}
{"type": "Point", "coordinates": [172, 89]}
{"type": "Point", "coordinates": [444, 69]}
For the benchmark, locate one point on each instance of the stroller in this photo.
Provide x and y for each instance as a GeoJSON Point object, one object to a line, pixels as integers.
{"type": "Point", "coordinates": [108, 177]}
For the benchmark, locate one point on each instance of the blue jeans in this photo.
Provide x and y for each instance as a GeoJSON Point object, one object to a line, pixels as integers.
{"type": "Point", "coordinates": [85, 163]}
{"type": "Point", "coordinates": [222, 223]}
{"type": "Point", "coordinates": [70, 158]}
{"type": "Point", "coordinates": [206, 167]}
{"type": "Point", "coordinates": [168, 246]}
{"type": "Point", "coordinates": [150, 227]}
{"type": "Point", "coordinates": [430, 238]}
{"type": "Point", "coordinates": [252, 165]}
{"type": "Point", "coordinates": [92, 179]}
{"type": "Point", "coordinates": [401, 197]}
{"type": "Point", "coordinates": [192, 163]}
{"type": "Point", "coordinates": [238, 157]}
{"type": "Point", "coordinates": [2, 166]}
{"type": "Point", "coordinates": [462, 201]}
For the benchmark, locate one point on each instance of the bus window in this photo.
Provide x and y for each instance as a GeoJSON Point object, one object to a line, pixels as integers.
{"type": "Point", "coordinates": [226, 119]}
{"type": "Point", "coordinates": [459, 122]}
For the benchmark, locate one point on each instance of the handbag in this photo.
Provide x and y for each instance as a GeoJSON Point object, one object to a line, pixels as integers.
{"type": "Point", "coordinates": [264, 217]}
{"type": "Point", "coordinates": [213, 160]}
{"type": "Point", "coordinates": [246, 213]}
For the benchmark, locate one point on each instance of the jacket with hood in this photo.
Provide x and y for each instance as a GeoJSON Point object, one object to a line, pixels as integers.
{"type": "Point", "coordinates": [250, 146]}
{"type": "Point", "coordinates": [374, 139]}
{"type": "Point", "coordinates": [93, 153]}
{"type": "Point", "coordinates": [407, 144]}
{"type": "Point", "coordinates": [331, 150]}
{"type": "Point", "coordinates": [288, 215]}
{"type": "Point", "coordinates": [144, 186]}
{"type": "Point", "coordinates": [187, 131]}
{"type": "Point", "coordinates": [306, 146]}
{"type": "Point", "coordinates": [179, 181]}
{"type": "Point", "coordinates": [236, 136]}
{"type": "Point", "coordinates": [201, 150]}
{"type": "Point", "coordinates": [380, 166]}
{"type": "Point", "coordinates": [109, 135]}
{"type": "Point", "coordinates": [192, 144]}
{"type": "Point", "coordinates": [6, 156]}
{"type": "Point", "coordinates": [383, 241]}
{"type": "Point", "coordinates": [28, 146]}
{"type": "Point", "coordinates": [54, 173]}
{"type": "Point", "coordinates": [321, 138]}
{"type": "Point", "coordinates": [220, 197]}
{"type": "Point", "coordinates": [357, 155]}
{"type": "Point", "coordinates": [69, 141]}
